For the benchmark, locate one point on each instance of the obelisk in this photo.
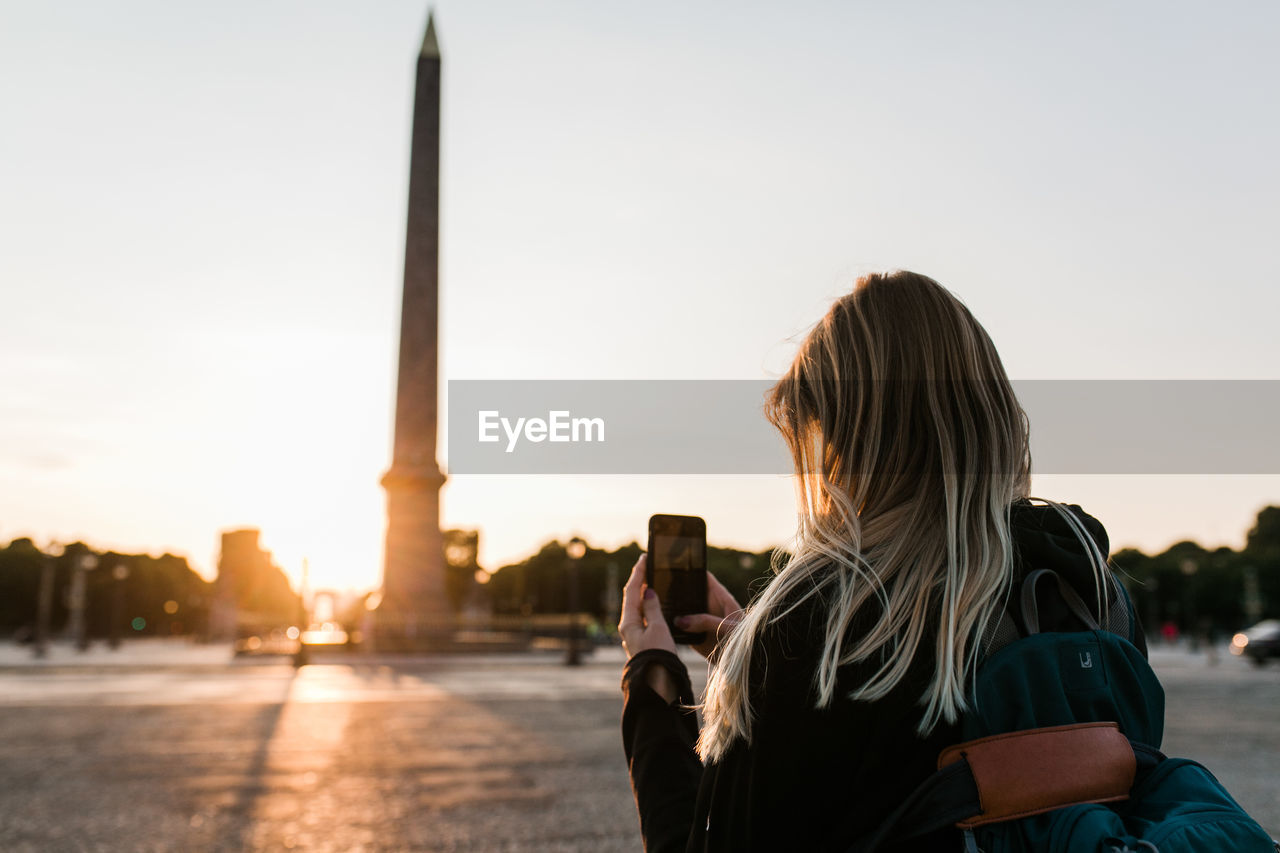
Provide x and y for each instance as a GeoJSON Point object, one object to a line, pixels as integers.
{"type": "Point", "coordinates": [414, 612]}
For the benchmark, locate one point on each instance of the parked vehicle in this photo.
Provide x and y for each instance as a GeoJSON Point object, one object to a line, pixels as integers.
{"type": "Point", "coordinates": [1258, 643]}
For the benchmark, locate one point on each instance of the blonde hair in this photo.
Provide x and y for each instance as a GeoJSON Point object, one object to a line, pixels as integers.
{"type": "Point", "coordinates": [909, 447]}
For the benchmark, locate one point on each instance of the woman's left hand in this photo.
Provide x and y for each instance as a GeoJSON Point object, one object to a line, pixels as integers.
{"type": "Point", "coordinates": [642, 626]}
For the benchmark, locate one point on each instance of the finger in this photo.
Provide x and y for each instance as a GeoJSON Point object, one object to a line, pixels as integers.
{"type": "Point", "coordinates": [632, 592]}
{"type": "Point", "coordinates": [698, 623]}
{"type": "Point", "coordinates": [712, 628]}
{"type": "Point", "coordinates": [729, 622]}
{"type": "Point", "coordinates": [630, 619]}
{"type": "Point", "coordinates": [655, 634]}
{"type": "Point", "coordinates": [631, 632]}
{"type": "Point", "coordinates": [652, 608]}
{"type": "Point", "coordinates": [634, 587]}
{"type": "Point", "coordinates": [715, 637]}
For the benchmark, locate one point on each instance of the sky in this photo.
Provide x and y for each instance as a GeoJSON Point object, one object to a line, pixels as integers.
{"type": "Point", "coordinates": [202, 234]}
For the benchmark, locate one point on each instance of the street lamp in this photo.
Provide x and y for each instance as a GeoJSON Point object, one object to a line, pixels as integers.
{"type": "Point", "coordinates": [119, 573]}
{"type": "Point", "coordinates": [44, 603]}
{"type": "Point", "coordinates": [77, 600]}
{"type": "Point", "coordinates": [1189, 568]}
{"type": "Point", "coordinates": [1252, 596]}
{"type": "Point", "coordinates": [576, 550]}
{"type": "Point", "coordinates": [612, 593]}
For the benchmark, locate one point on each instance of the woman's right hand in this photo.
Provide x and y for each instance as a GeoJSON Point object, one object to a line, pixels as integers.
{"type": "Point", "coordinates": [723, 613]}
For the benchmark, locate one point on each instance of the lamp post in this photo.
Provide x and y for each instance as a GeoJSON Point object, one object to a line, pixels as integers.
{"type": "Point", "coordinates": [576, 550]}
{"type": "Point", "coordinates": [1252, 596]}
{"type": "Point", "coordinates": [119, 574]}
{"type": "Point", "coordinates": [302, 655]}
{"type": "Point", "coordinates": [77, 599]}
{"type": "Point", "coordinates": [44, 601]}
{"type": "Point", "coordinates": [1189, 568]}
{"type": "Point", "coordinates": [612, 594]}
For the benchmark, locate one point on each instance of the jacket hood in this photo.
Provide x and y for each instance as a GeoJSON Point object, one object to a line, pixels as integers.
{"type": "Point", "coordinates": [1043, 539]}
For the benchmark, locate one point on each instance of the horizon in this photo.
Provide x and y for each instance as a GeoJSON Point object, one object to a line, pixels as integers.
{"type": "Point", "coordinates": [210, 575]}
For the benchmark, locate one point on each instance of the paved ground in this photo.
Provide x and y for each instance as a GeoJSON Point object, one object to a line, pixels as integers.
{"type": "Point", "coordinates": [1227, 717]}
{"type": "Point", "coordinates": [175, 748]}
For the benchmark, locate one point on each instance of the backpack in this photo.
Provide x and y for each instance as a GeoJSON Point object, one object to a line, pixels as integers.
{"type": "Point", "coordinates": [1061, 751]}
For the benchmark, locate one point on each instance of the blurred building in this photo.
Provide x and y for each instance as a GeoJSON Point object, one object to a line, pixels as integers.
{"type": "Point", "coordinates": [250, 589]}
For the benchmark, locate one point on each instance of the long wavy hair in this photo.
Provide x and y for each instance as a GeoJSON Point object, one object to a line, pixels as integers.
{"type": "Point", "coordinates": [909, 447]}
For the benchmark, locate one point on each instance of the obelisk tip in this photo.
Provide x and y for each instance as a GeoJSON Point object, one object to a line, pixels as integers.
{"type": "Point", "coordinates": [430, 47]}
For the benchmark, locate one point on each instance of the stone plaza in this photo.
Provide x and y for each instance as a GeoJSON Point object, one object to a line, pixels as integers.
{"type": "Point", "coordinates": [165, 746]}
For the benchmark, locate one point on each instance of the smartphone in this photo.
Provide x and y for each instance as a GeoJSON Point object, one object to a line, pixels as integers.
{"type": "Point", "coordinates": [676, 569]}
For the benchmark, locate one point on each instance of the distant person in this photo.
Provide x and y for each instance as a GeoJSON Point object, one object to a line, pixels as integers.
{"type": "Point", "coordinates": [1209, 637]}
{"type": "Point", "coordinates": [1169, 632]}
{"type": "Point", "coordinates": [832, 695]}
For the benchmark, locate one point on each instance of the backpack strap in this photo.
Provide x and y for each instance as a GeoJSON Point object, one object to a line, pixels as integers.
{"type": "Point", "coordinates": [1031, 610]}
{"type": "Point", "coordinates": [1000, 633]}
{"type": "Point", "coordinates": [1022, 617]}
{"type": "Point", "coordinates": [945, 798]}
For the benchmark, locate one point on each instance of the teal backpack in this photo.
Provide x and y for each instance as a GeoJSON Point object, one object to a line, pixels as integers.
{"type": "Point", "coordinates": [1061, 751]}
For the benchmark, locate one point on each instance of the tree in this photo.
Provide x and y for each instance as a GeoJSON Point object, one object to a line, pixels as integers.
{"type": "Point", "coordinates": [461, 551]}
{"type": "Point", "coordinates": [20, 566]}
{"type": "Point", "coordinates": [1265, 533]}
{"type": "Point", "coordinates": [160, 594]}
{"type": "Point", "coordinates": [1262, 554]}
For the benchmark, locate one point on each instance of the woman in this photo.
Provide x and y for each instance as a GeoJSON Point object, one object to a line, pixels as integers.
{"type": "Point", "coordinates": [831, 696]}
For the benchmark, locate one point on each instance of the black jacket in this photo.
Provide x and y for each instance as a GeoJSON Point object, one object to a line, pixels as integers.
{"type": "Point", "coordinates": [811, 779]}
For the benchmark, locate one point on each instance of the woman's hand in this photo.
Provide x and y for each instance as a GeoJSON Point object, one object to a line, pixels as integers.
{"type": "Point", "coordinates": [723, 612]}
{"type": "Point", "coordinates": [642, 626]}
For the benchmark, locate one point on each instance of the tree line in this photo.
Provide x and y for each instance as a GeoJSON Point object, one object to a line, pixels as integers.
{"type": "Point", "coordinates": [140, 594]}
{"type": "Point", "coordinates": [1196, 589]}
{"type": "Point", "coordinates": [1193, 588]}
{"type": "Point", "coordinates": [1207, 591]}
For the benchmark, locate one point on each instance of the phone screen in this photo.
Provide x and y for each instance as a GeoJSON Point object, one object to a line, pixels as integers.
{"type": "Point", "coordinates": [678, 566]}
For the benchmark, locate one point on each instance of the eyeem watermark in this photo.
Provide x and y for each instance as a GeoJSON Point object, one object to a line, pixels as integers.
{"type": "Point", "coordinates": [718, 427]}
{"type": "Point", "coordinates": [559, 426]}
